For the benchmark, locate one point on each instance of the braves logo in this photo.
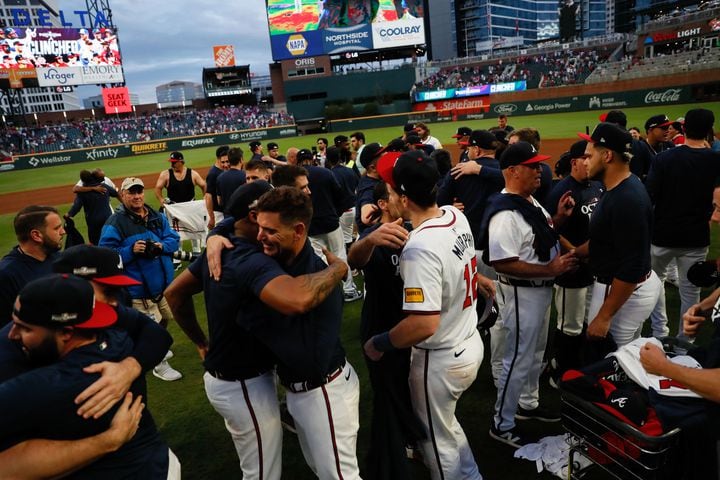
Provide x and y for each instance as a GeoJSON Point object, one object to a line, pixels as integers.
{"type": "Point", "coordinates": [621, 401]}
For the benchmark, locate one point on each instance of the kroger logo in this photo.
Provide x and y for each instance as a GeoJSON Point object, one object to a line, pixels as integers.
{"type": "Point", "coordinates": [505, 108]}
{"type": "Point", "coordinates": [61, 78]}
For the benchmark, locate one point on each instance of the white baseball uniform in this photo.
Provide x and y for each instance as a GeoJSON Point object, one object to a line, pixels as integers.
{"type": "Point", "coordinates": [525, 311]}
{"type": "Point", "coordinates": [438, 267]}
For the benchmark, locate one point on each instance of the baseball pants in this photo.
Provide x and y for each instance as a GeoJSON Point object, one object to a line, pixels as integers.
{"type": "Point", "coordinates": [174, 467]}
{"type": "Point", "coordinates": [497, 335]}
{"type": "Point", "coordinates": [334, 242]}
{"type": "Point", "coordinates": [525, 325]}
{"type": "Point", "coordinates": [626, 324]}
{"type": "Point", "coordinates": [347, 224]}
{"type": "Point", "coordinates": [571, 305]}
{"type": "Point", "coordinates": [437, 380]}
{"type": "Point", "coordinates": [689, 293]}
{"type": "Point", "coordinates": [327, 422]}
{"type": "Point", "coordinates": [252, 416]}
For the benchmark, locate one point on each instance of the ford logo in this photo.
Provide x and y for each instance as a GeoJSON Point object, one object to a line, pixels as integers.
{"type": "Point", "coordinates": [505, 108]}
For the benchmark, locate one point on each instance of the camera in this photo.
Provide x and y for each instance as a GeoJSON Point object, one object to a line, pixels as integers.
{"type": "Point", "coordinates": [184, 256]}
{"type": "Point", "coordinates": [151, 249]}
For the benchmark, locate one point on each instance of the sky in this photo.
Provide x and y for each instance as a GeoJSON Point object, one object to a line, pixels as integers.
{"type": "Point", "coordinates": [166, 40]}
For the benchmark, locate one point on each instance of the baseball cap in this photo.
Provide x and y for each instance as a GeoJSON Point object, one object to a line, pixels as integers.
{"type": "Point", "coordinates": [500, 135]}
{"type": "Point", "coordinates": [657, 121]}
{"type": "Point", "coordinates": [617, 117]}
{"type": "Point", "coordinates": [253, 145]}
{"type": "Point", "coordinates": [369, 153]}
{"type": "Point", "coordinates": [61, 300]}
{"type": "Point", "coordinates": [411, 173]}
{"type": "Point", "coordinates": [520, 153]}
{"type": "Point", "coordinates": [462, 132]}
{"type": "Point", "coordinates": [409, 127]}
{"type": "Point", "coordinates": [272, 146]}
{"type": "Point", "coordinates": [704, 273]}
{"type": "Point", "coordinates": [245, 197]}
{"type": "Point", "coordinates": [413, 140]}
{"type": "Point", "coordinates": [340, 140]}
{"type": "Point", "coordinates": [102, 265]}
{"type": "Point", "coordinates": [131, 182]}
{"type": "Point", "coordinates": [577, 149]}
{"type": "Point", "coordinates": [83, 31]}
{"type": "Point", "coordinates": [483, 139]}
{"type": "Point", "coordinates": [304, 154]}
{"type": "Point", "coordinates": [563, 166]}
{"type": "Point", "coordinates": [176, 157]}
{"type": "Point", "coordinates": [610, 136]}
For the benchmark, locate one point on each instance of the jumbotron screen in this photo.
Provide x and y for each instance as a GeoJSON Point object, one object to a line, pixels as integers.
{"type": "Point", "coordinates": [227, 81]}
{"type": "Point", "coordinates": [52, 57]}
{"type": "Point", "coordinates": [307, 28]}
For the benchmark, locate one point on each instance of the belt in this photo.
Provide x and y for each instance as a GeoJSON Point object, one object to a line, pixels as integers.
{"type": "Point", "coordinates": [515, 282]}
{"type": "Point", "coordinates": [237, 376]}
{"type": "Point", "coordinates": [609, 280]}
{"type": "Point", "coordinates": [300, 387]}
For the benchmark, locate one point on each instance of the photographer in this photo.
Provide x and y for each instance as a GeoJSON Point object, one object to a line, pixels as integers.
{"type": "Point", "coordinates": [145, 242]}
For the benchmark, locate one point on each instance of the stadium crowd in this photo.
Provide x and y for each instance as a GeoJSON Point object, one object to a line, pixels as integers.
{"type": "Point", "coordinates": [561, 67]}
{"type": "Point", "coordinates": [160, 125]}
{"type": "Point", "coordinates": [451, 248]}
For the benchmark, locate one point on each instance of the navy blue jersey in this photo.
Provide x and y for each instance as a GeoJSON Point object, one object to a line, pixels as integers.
{"type": "Point", "coordinates": [234, 352]}
{"type": "Point", "coordinates": [96, 205]}
{"type": "Point", "coordinates": [16, 270]}
{"type": "Point", "coordinates": [643, 156]}
{"type": "Point", "coordinates": [329, 200]}
{"type": "Point", "coordinates": [228, 182]}
{"type": "Point", "coordinates": [42, 406]}
{"type": "Point", "coordinates": [348, 180]}
{"type": "Point", "coordinates": [211, 185]}
{"type": "Point", "coordinates": [473, 192]}
{"type": "Point", "coordinates": [620, 229]}
{"type": "Point", "coordinates": [382, 308]}
{"type": "Point", "coordinates": [680, 184]}
{"type": "Point", "coordinates": [307, 347]}
{"type": "Point", "coordinates": [365, 189]}
{"type": "Point", "coordinates": [543, 190]}
{"type": "Point", "coordinates": [576, 229]}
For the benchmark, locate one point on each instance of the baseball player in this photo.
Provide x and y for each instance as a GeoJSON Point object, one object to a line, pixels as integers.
{"type": "Point", "coordinates": [626, 289]}
{"type": "Point", "coordinates": [522, 245]}
{"type": "Point", "coordinates": [239, 379]}
{"type": "Point", "coordinates": [571, 289]}
{"type": "Point", "coordinates": [221, 164]}
{"type": "Point", "coordinates": [680, 184]}
{"type": "Point", "coordinates": [462, 136]}
{"type": "Point", "coordinates": [439, 272]}
{"type": "Point", "coordinates": [178, 180]}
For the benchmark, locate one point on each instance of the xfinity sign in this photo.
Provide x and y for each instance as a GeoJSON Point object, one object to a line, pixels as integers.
{"type": "Point", "coordinates": [405, 32]}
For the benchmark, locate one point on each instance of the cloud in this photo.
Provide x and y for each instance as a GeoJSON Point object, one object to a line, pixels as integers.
{"type": "Point", "coordinates": [165, 41]}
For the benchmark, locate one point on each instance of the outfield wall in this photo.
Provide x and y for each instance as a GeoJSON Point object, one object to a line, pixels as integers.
{"type": "Point", "coordinates": [62, 157]}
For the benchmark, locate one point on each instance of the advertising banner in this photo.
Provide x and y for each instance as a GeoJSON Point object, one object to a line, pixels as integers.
{"type": "Point", "coordinates": [472, 91]}
{"type": "Point", "coordinates": [63, 56]}
{"type": "Point", "coordinates": [351, 39]}
{"type": "Point", "coordinates": [40, 160]}
{"type": "Point", "coordinates": [404, 32]}
{"type": "Point", "coordinates": [224, 55]}
{"type": "Point", "coordinates": [343, 26]}
{"type": "Point", "coordinates": [116, 100]}
{"type": "Point", "coordinates": [468, 105]}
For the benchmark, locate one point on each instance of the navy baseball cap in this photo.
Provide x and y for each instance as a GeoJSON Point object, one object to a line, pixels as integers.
{"type": "Point", "coordinates": [563, 166]}
{"type": "Point", "coordinates": [409, 127]}
{"type": "Point", "coordinates": [102, 265]}
{"type": "Point", "coordinates": [413, 140]}
{"type": "Point", "coordinates": [304, 154]}
{"type": "Point", "coordinates": [245, 198]}
{"type": "Point", "coordinates": [483, 139]}
{"type": "Point", "coordinates": [617, 117]}
{"type": "Point", "coordinates": [610, 136]}
{"type": "Point", "coordinates": [369, 153]}
{"type": "Point", "coordinates": [521, 153]}
{"type": "Point", "coordinates": [254, 144]}
{"type": "Point", "coordinates": [412, 173]}
{"type": "Point", "coordinates": [272, 146]}
{"type": "Point", "coordinates": [657, 121]}
{"type": "Point", "coordinates": [176, 157]}
{"type": "Point", "coordinates": [577, 149]}
{"type": "Point", "coordinates": [61, 300]}
{"type": "Point", "coordinates": [462, 132]}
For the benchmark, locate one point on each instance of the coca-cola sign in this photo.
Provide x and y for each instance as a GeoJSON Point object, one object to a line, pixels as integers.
{"type": "Point", "coordinates": [667, 96]}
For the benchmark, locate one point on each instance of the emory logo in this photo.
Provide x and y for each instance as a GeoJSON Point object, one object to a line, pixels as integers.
{"type": "Point", "coordinates": [414, 295]}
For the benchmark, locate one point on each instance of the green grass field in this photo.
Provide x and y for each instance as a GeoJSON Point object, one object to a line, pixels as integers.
{"type": "Point", "coordinates": [197, 434]}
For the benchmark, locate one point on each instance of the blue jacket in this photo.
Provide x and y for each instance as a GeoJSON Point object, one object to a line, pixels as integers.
{"type": "Point", "coordinates": [120, 233]}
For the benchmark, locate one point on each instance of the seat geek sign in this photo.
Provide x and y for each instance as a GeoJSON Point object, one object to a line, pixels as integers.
{"type": "Point", "coordinates": [116, 100]}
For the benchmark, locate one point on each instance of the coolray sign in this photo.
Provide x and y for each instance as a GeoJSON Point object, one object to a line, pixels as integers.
{"type": "Point", "coordinates": [405, 32]}
{"type": "Point", "coordinates": [350, 39]}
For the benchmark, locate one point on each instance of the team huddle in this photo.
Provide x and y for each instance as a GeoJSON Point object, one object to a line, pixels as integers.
{"type": "Point", "coordinates": [449, 249]}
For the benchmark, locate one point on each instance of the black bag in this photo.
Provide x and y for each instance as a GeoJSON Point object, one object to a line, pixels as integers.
{"type": "Point", "coordinates": [73, 236]}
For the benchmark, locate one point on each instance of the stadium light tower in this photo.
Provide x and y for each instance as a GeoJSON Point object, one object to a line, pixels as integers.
{"type": "Point", "coordinates": [95, 6]}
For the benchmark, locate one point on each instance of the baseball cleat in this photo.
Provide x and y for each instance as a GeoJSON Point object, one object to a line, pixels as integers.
{"type": "Point", "coordinates": [540, 413]}
{"type": "Point", "coordinates": [164, 371]}
{"type": "Point", "coordinates": [512, 437]}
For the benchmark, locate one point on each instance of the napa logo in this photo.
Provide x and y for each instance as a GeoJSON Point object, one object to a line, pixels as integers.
{"type": "Point", "coordinates": [296, 44]}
